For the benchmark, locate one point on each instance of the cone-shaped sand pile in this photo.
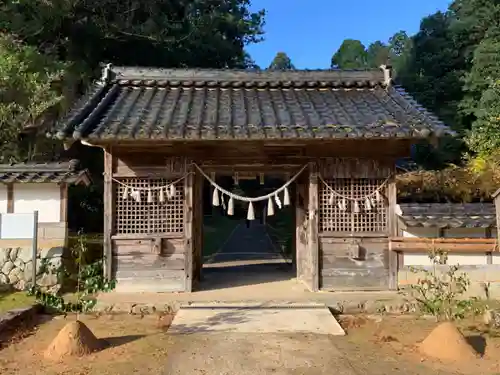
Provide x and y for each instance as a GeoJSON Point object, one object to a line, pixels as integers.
{"type": "Point", "coordinates": [446, 342]}
{"type": "Point", "coordinates": [75, 339]}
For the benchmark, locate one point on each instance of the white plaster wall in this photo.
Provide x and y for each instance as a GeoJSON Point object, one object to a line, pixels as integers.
{"type": "Point", "coordinates": [495, 258]}
{"type": "Point", "coordinates": [421, 232]}
{"type": "Point", "coordinates": [3, 199]}
{"type": "Point", "coordinates": [465, 233]}
{"type": "Point", "coordinates": [44, 197]}
{"type": "Point", "coordinates": [447, 233]}
{"type": "Point", "coordinates": [473, 259]}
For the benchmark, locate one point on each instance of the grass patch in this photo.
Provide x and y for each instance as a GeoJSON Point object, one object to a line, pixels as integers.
{"type": "Point", "coordinates": [14, 300]}
{"type": "Point", "coordinates": [216, 230]}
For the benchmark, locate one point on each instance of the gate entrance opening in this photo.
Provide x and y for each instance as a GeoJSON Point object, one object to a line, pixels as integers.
{"type": "Point", "coordinates": [239, 252]}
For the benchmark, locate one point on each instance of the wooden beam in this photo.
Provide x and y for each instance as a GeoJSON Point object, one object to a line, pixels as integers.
{"type": "Point", "coordinates": [454, 245]}
{"type": "Point", "coordinates": [108, 214]}
{"type": "Point", "coordinates": [10, 198]}
{"type": "Point", "coordinates": [444, 240]}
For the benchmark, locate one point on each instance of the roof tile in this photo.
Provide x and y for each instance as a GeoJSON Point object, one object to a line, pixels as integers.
{"type": "Point", "coordinates": [57, 172]}
{"type": "Point", "coordinates": [448, 215]}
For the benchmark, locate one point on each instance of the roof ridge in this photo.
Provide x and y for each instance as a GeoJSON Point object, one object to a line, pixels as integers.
{"type": "Point", "coordinates": [231, 75]}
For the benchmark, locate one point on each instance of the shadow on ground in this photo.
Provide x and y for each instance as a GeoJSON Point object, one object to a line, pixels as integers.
{"type": "Point", "coordinates": [235, 316]}
{"type": "Point", "coordinates": [120, 340]}
{"type": "Point", "coordinates": [478, 342]}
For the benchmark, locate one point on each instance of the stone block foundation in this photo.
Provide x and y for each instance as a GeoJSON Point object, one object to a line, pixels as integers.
{"type": "Point", "coordinates": [16, 267]}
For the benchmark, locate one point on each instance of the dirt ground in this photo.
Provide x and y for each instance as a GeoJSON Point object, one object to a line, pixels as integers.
{"type": "Point", "coordinates": [387, 345]}
{"type": "Point", "coordinates": [373, 345]}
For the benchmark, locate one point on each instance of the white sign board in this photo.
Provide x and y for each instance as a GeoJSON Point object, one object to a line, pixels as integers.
{"type": "Point", "coordinates": [18, 226]}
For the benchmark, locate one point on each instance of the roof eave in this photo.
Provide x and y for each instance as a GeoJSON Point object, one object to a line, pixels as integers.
{"type": "Point", "coordinates": [94, 141]}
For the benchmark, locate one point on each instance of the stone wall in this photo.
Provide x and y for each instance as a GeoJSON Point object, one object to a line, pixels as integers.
{"type": "Point", "coordinates": [16, 267]}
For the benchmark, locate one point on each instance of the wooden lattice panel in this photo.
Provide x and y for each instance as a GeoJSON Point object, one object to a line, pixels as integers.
{"type": "Point", "coordinates": [133, 217]}
{"type": "Point", "coordinates": [333, 219]}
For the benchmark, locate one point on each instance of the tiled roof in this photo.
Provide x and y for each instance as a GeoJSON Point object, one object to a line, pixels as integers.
{"type": "Point", "coordinates": [136, 103]}
{"type": "Point", "coordinates": [61, 172]}
{"type": "Point", "coordinates": [448, 215]}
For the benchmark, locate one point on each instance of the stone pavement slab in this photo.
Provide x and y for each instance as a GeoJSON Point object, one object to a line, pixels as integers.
{"type": "Point", "coordinates": [219, 353]}
{"type": "Point", "coordinates": [256, 319]}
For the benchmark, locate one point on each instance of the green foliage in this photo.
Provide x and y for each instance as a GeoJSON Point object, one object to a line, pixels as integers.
{"type": "Point", "coordinates": [165, 33]}
{"type": "Point", "coordinates": [90, 281]}
{"type": "Point", "coordinates": [434, 68]}
{"type": "Point", "coordinates": [377, 54]}
{"type": "Point", "coordinates": [476, 180]}
{"type": "Point", "coordinates": [484, 137]}
{"type": "Point", "coordinates": [353, 55]}
{"type": "Point", "coordinates": [438, 292]}
{"type": "Point", "coordinates": [350, 55]}
{"type": "Point", "coordinates": [281, 62]}
{"type": "Point", "coordinates": [27, 93]}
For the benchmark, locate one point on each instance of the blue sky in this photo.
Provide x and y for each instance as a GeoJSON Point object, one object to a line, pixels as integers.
{"type": "Point", "coordinates": [310, 31]}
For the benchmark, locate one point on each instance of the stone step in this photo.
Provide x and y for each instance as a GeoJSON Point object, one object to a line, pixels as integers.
{"type": "Point", "coordinates": [253, 305]}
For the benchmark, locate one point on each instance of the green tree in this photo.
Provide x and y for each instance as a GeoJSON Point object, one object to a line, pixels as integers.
{"type": "Point", "coordinates": [476, 26]}
{"type": "Point", "coordinates": [377, 54]}
{"type": "Point", "coordinates": [27, 95]}
{"type": "Point", "coordinates": [400, 46]}
{"type": "Point", "coordinates": [248, 63]}
{"type": "Point", "coordinates": [434, 68]}
{"type": "Point", "coordinates": [482, 99]}
{"type": "Point", "coordinates": [165, 33]}
{"type": "Point", "coordinates": [484, 137]}
{"type": "Point", "coordinates": [350, 55]}
{"type": "Point", "coordinates": [281, 62]}
{"type": "Point", "coordinates": [471, 21]}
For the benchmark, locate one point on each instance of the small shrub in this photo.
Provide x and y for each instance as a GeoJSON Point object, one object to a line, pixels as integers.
{"type": "Point", "coordinates": [89, 281]}
{"type": "Point", "coordinates": [439, 292]}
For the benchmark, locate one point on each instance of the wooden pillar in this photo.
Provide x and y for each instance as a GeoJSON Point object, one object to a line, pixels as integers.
{"type": "Point", "coordinates": [294, 220]}
{"type": "Point", "coordinates": [108, 214]}
{"type": "Point", "coordinates": [312, 232]}
{"type": "Point", "coordinates": [63, 195]}
{"type": "Point", "coordinates": [10, 198]}
{"type": "Point", "coordinates": [393, 232]}
{"type": "Point", "coordinates": [496, 199]}
{"type": "Point", "coordinates": [300, 229]}
{"type": "Point", "coordinates": [188, 230]}
{"type": "Point", "coordinates": [198, 225]}
{"type": "Point", "coordinates": [63, 215]}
